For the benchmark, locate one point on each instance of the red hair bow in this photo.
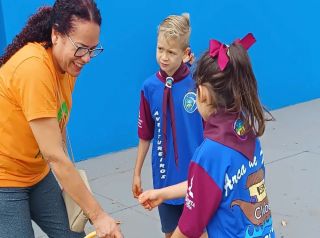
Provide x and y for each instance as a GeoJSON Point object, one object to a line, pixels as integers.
{"type": "Point", "coordinates": [216, 48]}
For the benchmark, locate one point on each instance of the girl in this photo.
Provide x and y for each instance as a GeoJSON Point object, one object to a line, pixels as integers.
{"type": "Point", "coordinates": [225, 192]}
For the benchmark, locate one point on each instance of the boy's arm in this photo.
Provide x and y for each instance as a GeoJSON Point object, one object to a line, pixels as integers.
{"type": "Point", "coordinates": [153, 198]}
{"type": "Point", "coordinates": [145, 133]}
{"type": "Point", "coordinates": [143, 148]}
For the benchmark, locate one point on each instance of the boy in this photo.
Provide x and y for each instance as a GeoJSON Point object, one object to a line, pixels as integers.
{"type": "Point", "coordinates": [168, 115]}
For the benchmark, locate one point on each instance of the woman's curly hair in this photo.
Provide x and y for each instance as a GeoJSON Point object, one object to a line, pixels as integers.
{"type": "Point", "coordinates": [60, 17]}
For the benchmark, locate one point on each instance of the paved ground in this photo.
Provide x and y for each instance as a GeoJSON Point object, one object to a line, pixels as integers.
{"type": "Point", "coordinates": [291, 148]}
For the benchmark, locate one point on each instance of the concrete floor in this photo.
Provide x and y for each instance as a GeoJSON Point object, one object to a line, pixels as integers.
{"type": "Point", "coordinates": [291, 147]}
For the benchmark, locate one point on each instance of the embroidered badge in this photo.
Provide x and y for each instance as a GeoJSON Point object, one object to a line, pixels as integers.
{"type": "Point", "coordinates": [239, 129]}
{"type": "Point", "coordinates": [189, 102]}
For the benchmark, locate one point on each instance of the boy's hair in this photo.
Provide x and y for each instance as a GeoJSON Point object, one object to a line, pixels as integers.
{"type": "Point", "coordinates": [177, 27]}
{"type": "Point", "coordinates": [234, 88]}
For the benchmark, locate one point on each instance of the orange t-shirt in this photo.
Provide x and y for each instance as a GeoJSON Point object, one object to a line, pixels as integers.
{"type": "Point", "coordinates": [30, 88]}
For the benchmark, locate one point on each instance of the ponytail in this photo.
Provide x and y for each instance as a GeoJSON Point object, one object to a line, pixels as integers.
{"type": "Point", "coordinates": [235, 87]}
{"type": "Point", "coordinates": [38, 29]}
{"type": "Point", "coordinates": [244, 89]}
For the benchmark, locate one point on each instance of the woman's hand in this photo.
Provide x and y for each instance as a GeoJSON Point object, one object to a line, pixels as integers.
{"type": "Point", "coordinates": [151, 199]}
{"type": "Point", "coordinates": [106, 226]}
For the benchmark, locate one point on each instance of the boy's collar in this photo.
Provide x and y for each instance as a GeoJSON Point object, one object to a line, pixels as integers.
{"type": "Point", "coordinates": [180, 73]}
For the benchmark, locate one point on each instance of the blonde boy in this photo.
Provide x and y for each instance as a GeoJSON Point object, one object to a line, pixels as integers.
{"type": "Point", "coordinates": [169, 117]}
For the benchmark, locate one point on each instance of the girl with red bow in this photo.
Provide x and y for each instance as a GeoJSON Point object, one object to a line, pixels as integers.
{"type": "Point", "coordinates": [225, 192]}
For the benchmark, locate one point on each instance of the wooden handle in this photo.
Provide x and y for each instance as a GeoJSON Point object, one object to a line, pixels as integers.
{"type": "Point", "coordinates": [91, 235]}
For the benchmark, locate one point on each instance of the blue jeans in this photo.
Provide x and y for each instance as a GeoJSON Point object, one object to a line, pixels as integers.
{"type": "Point", "coordinates": [42, 203]}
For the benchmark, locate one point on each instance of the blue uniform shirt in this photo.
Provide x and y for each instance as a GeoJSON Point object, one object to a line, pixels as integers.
{"type": "Point", "coordinates": [226, 189]}
{"type": "Point", "coordinates": [189, 129]}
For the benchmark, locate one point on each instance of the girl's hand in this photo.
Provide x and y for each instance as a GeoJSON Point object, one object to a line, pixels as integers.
{"type": "Point", "coordinates": [151, 199]}
{"type": "Point", "coordinates": [136, 186]}
{"type": "Point", "coordinates": [106, 226]}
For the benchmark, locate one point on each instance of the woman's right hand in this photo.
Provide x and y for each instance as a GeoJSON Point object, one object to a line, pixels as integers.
{"type": "Point", "coordinates": [136, 186]}
{"type": "Point", "coordinates": [106, 226]}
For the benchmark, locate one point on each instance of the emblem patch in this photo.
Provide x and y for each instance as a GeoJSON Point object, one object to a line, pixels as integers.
{"type": "Point", "coordinates": [189, 102]}
{"type": "Point", "coordinates": [239, 129]}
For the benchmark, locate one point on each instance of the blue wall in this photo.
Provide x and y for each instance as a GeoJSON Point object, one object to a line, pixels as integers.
{"type": "Point", "coordinates": [2, 31]}
{"type": "Point", "coordinates": [104, 116]}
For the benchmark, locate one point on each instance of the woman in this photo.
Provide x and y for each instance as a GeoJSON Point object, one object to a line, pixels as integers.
{"type": "Point", "coordinates": [37, 76]}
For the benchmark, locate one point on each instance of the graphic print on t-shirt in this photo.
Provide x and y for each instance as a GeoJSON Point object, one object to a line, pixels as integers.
{"type": "Point", "coordinates": [257, 209]}
{"type": "Point", "coordinates": [63, 114]}
{"type": "Point", "coordinates": [189, 199]}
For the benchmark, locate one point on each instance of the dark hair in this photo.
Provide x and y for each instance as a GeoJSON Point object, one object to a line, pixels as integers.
{"type": "Point", "coordinates": [234, 88]}
{"type": "Point", "coordinates": [60, 17]}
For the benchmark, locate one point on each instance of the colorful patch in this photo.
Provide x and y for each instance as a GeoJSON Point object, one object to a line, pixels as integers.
{"type": "Point", "coordinates": [189, 102]}
{"type": "Point", "coordinates": [239, 129]}
{"type": "Point", "coordinates": [63, 114]}
{"type": "Point", "coordinates": [63, 111]}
